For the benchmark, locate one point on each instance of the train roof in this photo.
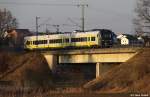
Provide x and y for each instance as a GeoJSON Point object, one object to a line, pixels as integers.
{"type": "Point", "coordinates": [55, 36]}
{"type": "Point", "coordinates": [46, 36]}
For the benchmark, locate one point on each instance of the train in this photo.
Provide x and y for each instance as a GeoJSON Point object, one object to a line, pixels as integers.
{"type": "Point", "coordinates": [92, 38]}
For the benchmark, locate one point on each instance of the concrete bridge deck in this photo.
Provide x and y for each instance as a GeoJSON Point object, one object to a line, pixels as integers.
{"type": "Point", "coordinates": [92, 51]}
{"type": "Point", "coordinates": [93, 55]}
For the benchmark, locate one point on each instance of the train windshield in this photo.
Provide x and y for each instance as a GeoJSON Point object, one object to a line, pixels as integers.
{"type": "Point", "coordinates": [106, 34]}
{"type": "Point", "coordinates": [27, 43]}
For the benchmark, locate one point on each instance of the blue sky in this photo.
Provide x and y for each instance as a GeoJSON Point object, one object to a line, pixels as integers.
{"type": "Point", "coordinates": [116, 15]}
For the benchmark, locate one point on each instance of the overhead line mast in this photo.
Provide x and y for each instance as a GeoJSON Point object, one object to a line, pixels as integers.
{"type": "Point", "coordinates": [47, 4]}
{"type": "Point", "coordinates": [83, 15]}
{"type": "Point", "coordinates": [37, 27]}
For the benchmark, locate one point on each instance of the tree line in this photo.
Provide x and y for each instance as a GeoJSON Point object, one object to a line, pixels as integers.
{"type": "Point", "coordinates": [142, 19]}
{"type": "Point", "coordinates": [7, 23]}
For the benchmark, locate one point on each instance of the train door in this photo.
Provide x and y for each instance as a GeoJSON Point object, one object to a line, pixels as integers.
{"type": "Point", "coordinates": [99, 40]}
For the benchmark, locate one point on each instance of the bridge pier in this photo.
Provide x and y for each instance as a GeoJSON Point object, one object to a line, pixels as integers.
{"type": "Point", "coordinates": [98, 69]}
{"type": "Point", "coordinates": [52, 61]}
{"type": "Point", "coordinates": [102, 68]}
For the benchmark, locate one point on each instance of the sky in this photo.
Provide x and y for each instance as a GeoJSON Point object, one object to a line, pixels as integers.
{"type": "Point", "coordinates": [116, 15]}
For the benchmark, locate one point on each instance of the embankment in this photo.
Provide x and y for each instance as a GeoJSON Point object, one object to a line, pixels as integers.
{"type": "Point", "coordinates": [131, 76]}
{"type": "Point", "coordinates": [24, 68]}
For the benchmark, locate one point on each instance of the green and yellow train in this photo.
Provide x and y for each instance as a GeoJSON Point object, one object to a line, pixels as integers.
{"type": "Point", "coordinates": [93, 38]}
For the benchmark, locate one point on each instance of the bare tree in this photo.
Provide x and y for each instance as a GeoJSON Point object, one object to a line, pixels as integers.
{"type": "Point", "coordinates": [142, 19]}
{"type": "Point", "coordinates": [7, 21]}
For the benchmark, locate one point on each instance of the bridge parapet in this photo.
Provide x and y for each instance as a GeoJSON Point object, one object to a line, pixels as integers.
{"type": "Point", "coordinates": [93, 51]}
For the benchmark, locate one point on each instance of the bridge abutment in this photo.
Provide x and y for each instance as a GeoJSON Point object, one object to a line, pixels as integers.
{"type": "Point", "coordinates": [102, 68]}
{"type": "Point", "coordinates": [52, 61]}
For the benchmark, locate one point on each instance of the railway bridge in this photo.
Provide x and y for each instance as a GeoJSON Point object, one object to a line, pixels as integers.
{"type": "Point", "coordinates": [98, 56]}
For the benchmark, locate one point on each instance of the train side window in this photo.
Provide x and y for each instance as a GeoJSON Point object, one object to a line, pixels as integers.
{"type": "Point", "coordinates": [36, 42]}
{"type": "Point", "coordinates": [40, 42]}
{"type": "Point", "coordinates": [44, 41]}
{"type": "Point", "coordinates": [88, 38]}
{"type": "Point", "coordinates": [55, 41]}
{"type": "Point", "coordinates": [58, 41]}
{"type": "Point", "coordinates": [51, 41]}
{"type": "Point", "coordinates": [67, 40]}
{"type": "Point", "coordinates": [73, 39]}
{"type": "Point", "coordinates": [92, 38]}
{"type": "Point", "coordinates": [82, 39]}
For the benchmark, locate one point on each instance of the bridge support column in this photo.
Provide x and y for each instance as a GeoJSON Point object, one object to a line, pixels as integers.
{"type": "Point", "coordinates": [52, 61]}
{"type": "Point", "coordinates": [98, 69]}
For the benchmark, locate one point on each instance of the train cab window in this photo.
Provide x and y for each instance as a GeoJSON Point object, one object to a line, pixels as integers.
{"type": "Point", "coordinates": [92, 38]}
{"type": "Point", "coordinates": [107, 35]}
{"type": "Point", "coordinates": [28, 43]}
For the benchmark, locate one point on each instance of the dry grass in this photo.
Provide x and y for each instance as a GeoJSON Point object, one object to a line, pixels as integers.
{"type": "Point", "coordinates": [132, 76]}
{"type": "Point", "coordinates": [25, 68]}
{"type": "Point", "coordinates": [60, 92]}
{"type": "Point", "coordinates": [30, 69]}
